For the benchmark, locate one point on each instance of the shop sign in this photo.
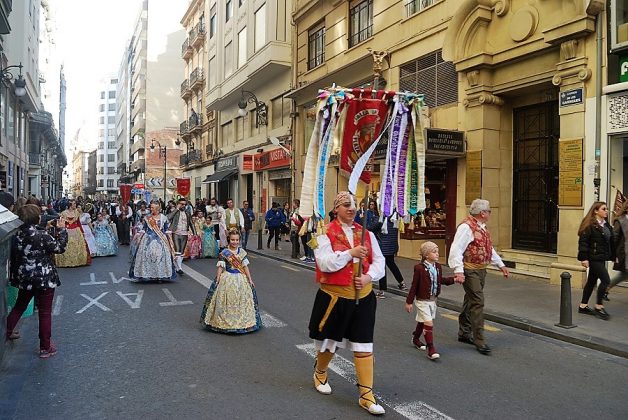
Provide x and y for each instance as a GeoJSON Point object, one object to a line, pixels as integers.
{"type": "Point", "coordinates": [275, 158]}
{"type": "Point", "coordinates": [227, 163]}
{"type": "Point", "coordinates": [623, 69]}
{"type": "Point", "coordinates": [280, 174]}
{"type": "Point", "coordinates": [570, 172]}
{"type": "Point", "coordinates": [445, 142]}
{"type": "Point", "coordinates": [571, 97]}
{"type": "Point", "coordinates": [247, 162]}
{"type": "Point", "coordinates": [617, 113]}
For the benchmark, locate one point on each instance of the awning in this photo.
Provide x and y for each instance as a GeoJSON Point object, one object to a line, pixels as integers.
{"type": "Point", "coordinates": [219, 176]}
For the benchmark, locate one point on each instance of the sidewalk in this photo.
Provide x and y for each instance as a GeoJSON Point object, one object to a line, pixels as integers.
{"type": "Point", "coordinates": [528, 305]}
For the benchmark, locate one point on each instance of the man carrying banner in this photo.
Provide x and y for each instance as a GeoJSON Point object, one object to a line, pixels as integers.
{"type": "Point", "coordinates": [337, 320]}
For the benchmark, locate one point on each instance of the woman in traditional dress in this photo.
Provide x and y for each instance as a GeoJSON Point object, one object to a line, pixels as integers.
{"type": "Point", "coordinates": [106, 243]}
{"type": "Point", "coordinates": [231, 304]}
{"type": "Point", "coordinates": [210, 245]}
{"type": "Point", "coordinates": [193, 249]}
{"type": "Point", "coordinates": [86, 225]}
{"type": "Point", "coordinates": [153, 260]}
{"type": "Point", "coordinates": [76, 252]}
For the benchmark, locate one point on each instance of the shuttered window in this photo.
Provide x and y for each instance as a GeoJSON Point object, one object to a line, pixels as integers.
{"type": "Point", "coordinates": [431, 76]}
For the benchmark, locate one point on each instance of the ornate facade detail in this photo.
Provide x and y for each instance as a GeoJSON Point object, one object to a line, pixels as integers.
{"type": "Point", "coordinates": [568, 49]}
{"type": "Point", "coordinates": [484, 98]}
{"type": "Point", "coordinates": [378, 61]}
{"type": "Point", "coordinates": [502, 7]}
{"type": "Point", "coordinates": [524, 23]}
{"type": "Point", "coordinates": [473, 77]}
{"type": "Point", "coordinates": [583, 74]}
{"type": "Point", "coordinates": [594, 7]}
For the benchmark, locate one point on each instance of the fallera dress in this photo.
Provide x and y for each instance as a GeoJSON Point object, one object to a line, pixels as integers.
{"type": "Point", "coordinates": [153, 258]}
{"type": "Point", "coordinates": [89, 234]}
{"type": "Point", "coordinates": [106, 244]}
{"type": "Point", "coordinates": [210, 245]}
{"type": "Point", "coordinates": [76, 252]}
{"type": "Point", "coordinates": [231, 305]}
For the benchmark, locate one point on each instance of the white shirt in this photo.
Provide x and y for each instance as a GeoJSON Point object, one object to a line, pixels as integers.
{"type": "Point", "coordinates": [231, 214]}
{"type": "Point", "coordinates": [462, 239]}
{"type": "Point", "coordinates": [330, 261]}
{"type": "Point", "coordinates": [216, 213]}
{"type": "Point", "coordinates": [129, 212]}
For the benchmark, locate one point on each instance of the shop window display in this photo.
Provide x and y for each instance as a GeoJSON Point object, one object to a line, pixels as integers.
{"type": "Point", "coordinates": [431, 223]}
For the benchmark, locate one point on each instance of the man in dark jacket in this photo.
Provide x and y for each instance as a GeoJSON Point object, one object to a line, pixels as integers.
{"type": "Point", "coordinates": [275, 218]}
{"type": "Point", "coordinates": [389, 244]}
{"type": "Point", "coordinates": [249, 218]}
{"type": "Point", "coordinates": [180, 224]}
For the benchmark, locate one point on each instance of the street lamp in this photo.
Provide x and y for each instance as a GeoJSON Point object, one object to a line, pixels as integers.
{"type": "Point", "coordinates": [162, 152]}
{"type": "Point", "coordinates": [261, 116]}
{"type": "Point", "coordinates": [187, 147]}
{"type": "Point", "coordinates": [7, 76]}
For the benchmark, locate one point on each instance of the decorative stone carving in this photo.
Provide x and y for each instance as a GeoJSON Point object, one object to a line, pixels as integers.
{"type": "Point", "coordinates": [484, 98]}
{"type": "Point", "coordinates": [473, 77]}
{"type": "Point", "coordinates": [582, 74]}
{"type": "Point", "coordinates": [568, 49]}
{"type": "Point", "coordinates": [502, 7]}
{"type": "Point", "coordinates": [524, 23]}
{"type": "Point", "coordinates": [378, 61]}
{"type": "Point", "coordinates": [594, 7]}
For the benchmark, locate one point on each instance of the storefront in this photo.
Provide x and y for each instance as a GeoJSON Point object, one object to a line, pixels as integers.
{"type": "Point", "coordinates": [223, 183]}
{"type": "Point", "coordinates": [275, 177]}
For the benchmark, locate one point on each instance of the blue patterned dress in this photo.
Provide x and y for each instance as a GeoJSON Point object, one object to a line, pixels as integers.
{"type": "Point", "coordinates": [231, 305]}
{"type": "Point", "coordinates": [153, 259]}
{"type": "Point", "coordinates": [106, 244]}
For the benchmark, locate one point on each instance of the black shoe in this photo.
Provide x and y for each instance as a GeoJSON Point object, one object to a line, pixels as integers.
{"type": "Point", "coordinates": [466, 339]}
{"type": "Point", "coordinates": [586, 310]}
{"type": "Point", "coordinates": [180, 272]}
{"type": "Point", "coordinates": [605, 297]}
{"type": "Point", "coordinates": [602, 314]}
{"type": "Point", "coordinates": [484, 349]}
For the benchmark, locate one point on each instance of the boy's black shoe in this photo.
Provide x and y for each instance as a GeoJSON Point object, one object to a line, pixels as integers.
{"type": "Point", "coordinates": [586, 310]}
{"type": "Point", "coordinates": [484, 349]}
{"type": "Point", "coordinates": [466, 339]}
{"type": "Point", "coordinates": [602, 314]}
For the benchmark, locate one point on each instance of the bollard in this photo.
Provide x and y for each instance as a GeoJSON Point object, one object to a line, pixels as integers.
{"type": "Point", "coordinates": [565, 301]}
{"type": "Point", "coordinates": [259, 238]}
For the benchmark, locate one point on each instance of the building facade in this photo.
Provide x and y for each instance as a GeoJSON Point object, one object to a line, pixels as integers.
{"type": "Point", "coordinates": [508, 83]}
{"type": "Point", "coordinates": [106, 149]}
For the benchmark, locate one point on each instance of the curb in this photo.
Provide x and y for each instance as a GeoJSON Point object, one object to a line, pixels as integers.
{"type": "Point", "coordinates": [582, 340]}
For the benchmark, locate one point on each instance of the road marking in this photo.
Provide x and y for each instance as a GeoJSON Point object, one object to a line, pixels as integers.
{"type": "Point", "coordinates": [92, 281]}
{"type": "Point", "coordinates": [487, 327]}
{"type": "Point", "coordinates": [287, 267]}
{"type": "Point", "coordinates": [203, 280]}
{"type": "Point", "coordinates": [56, 310]}
{"type": "Point", "coordinates": [116, 280]}
{"type": "Point", "coordinates": [138, 298]}
{"type": "Point", "coordinates": [270, 321]}
{"type": "Point", "coordinates": [173, 301]}
{"type": "Point", "coordinates": [94, 302]}
{"type": "Point", "coordinates": [416, 410]}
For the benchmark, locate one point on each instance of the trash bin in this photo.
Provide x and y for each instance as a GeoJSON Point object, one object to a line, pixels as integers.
{"type": "Point", "coordinates": [8, 227]}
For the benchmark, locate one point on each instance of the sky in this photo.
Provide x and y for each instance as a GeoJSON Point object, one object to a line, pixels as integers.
{"type": "Point", "coordinates": [91, 36]}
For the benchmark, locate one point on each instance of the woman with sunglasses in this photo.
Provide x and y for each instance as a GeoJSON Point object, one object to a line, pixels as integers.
{"type": "Point", "coordinates": [595, 247]}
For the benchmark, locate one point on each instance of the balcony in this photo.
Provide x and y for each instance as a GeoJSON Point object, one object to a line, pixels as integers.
{"type": "Point", "coordinates": [197, 77]}
{"type": "Point", "coordinates": [191, 158]}
{"type": "Point", "coordinates": [186, 92]}
{"type": "Point", "coordinates": [183, 130]}
{"type": "Point", "coordinates": [194, 123]}
{"type": "Point", "coordinates": [191, 36]}
{"type": "Point", "coordinates": [200, 33]}
{"type": "Point", "coordinates": [34, 159]}
{"type": "Point", "coordinates": [186, 50]}
{"type": "Point", "coordinates": [137, 145]}
{"type": "Point", "coordinates": [139, 165]}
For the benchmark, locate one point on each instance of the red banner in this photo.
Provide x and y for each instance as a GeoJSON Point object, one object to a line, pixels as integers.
{"type": "Point", "coordinates": [183, 186]}
{"type": "Point", "coordinates": [125, 192]}
{"type": "Point", "coordinates": [364, 121]}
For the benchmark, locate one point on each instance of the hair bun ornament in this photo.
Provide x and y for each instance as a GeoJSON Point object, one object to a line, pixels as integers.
{"type": "Point", "coordinates": [234, 230]}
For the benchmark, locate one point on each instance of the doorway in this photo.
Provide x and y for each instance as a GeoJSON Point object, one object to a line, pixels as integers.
{"type": "Point", "coordinates": [536, 131]}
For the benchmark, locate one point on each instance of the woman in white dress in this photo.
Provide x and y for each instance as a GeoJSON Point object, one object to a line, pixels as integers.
{"type": "Point", "coordinates": [86, 223]}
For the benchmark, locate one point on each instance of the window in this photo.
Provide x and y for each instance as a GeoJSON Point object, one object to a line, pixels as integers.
{"type": "Point", "coordinates": [101, 158]}
{"type": "Point", "coordinates": [228, 10]}
{"type": "Point", "coordinates": [101, 171]}
{"type": "Point", "coordinates": [102, 120]}
{"type": "Point", "coordinates": [619, 24]}
{"type": "Point", "coordinates": [101, 133]}
{"type": "Point", "coordinates": [360, 22]}
{"type": "Point", "coordinates": [414, 6]}
{"type": "Point", "coordinates": [102, 108]}
{"type": "Point", "coordinates": [212, 22]}
{"type": "Point", "coordinates": [112, 107]}
{"type": "Point", "coordinates": [260, 28]}
{"type": "Point", "coordinates": [111, 170]}
{"type": "Point", "coordinates": [101, 183]}
{"type": "Point", "coordinates": [101, 145]}
{"type": "Point", "coordinates": [102, 95]}
{"type": "Point", "coordinates": [212, 72]}
{"type": "Point", "coordinates": [110, 183]}
{"type": "Point", "coordinates": [280, 112]}
{"type": "Point", "coordinates": [242, 47]}
{"type": "Point", "coordinates": [112, 94]}
{"type": "Point", "coordinates": [111, 145]}
{"type": "Point", "coordinates": [111, 157]}
{"type": "Point", "coordinates": [239, 129]}
{"type": "Point", "coordinates": [316, 46]}
{"type": "Point", "coordinates": [228, 60]}
{"type": "Point", "coordinates": [227, 134]}
{"type": "Point", "coordinates": [111, 120]}
{"type": "Point", "coordinates": [431, 76]}
{"type": "Point", "coordinates": [113, 81]}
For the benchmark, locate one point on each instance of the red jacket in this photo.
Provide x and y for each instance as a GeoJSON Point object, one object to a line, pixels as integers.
{"type": "Point", "coordinates": [421, 283]}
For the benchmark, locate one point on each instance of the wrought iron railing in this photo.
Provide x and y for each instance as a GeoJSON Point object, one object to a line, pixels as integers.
{"type": "Point", "coordinates": [185, 85]}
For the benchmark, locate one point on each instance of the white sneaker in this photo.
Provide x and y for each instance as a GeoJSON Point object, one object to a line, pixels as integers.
{"type": "Point", "coordinates": [303, 258]}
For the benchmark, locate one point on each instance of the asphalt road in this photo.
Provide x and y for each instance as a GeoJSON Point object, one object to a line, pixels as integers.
{"type": "Point", "coordinates": [130, 350]}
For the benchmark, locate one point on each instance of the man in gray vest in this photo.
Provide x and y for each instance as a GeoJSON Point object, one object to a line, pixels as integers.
{"type": "Point", "coordinates": [180, 224]}
{"type": "Point", "coordinates": [233, 217]}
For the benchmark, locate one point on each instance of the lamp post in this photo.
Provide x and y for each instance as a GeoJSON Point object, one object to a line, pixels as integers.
{"type": "Point", "coordinates": [162, 152]}
{"type": "Point", "coordinates": [261, 110]}
{"type": "Point", "coordinates": [7, 76]}
{"type": "Point", "coordinates": [187, 147]}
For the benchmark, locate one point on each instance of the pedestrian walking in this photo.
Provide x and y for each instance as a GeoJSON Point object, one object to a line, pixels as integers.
{"type": "Point", "coordinates": [210, 245]}
{"type": "Point", "coordinates": [34, 273]}
{"type": "Point", "coordinates": [470, 253]}
{"type": "Point", "coordinates": [194, 248]}
{"type": "Point", "coordinates": [217, 213]}
{"type": "Point", "coordinates": [620, 235]}
{"type": "Point", "coordinates": [296, 221]}
{"type": "Point", "coordinates": [426, 284]}
{"type": "Point", "coordinates": [249, 218]}
{"type": "Point", "coordinates": [233, 217]}
{"type": "Point", "coordinates": [76, 251]}
{"type": "Point", "coordinates": [180, 222]}
{"type": "Point", "coordinates": [106, 243]}
{"type": "Point", "coordinates": [388, 238]}
{"type": "Point", "coordinates": [337, 320]}
{"type": "Point", "coordinates": [231, 304]}
{"type": "Point", "coordinates": [274, 220]}
{"type": "Point", "coordinates": [124, 214]}
{"type": "Point", "coordinates": [86, 225]}
{"type": "Point", "coordinates": [595, 247]}
{"type": "Point", "coordinates": [285, 227]}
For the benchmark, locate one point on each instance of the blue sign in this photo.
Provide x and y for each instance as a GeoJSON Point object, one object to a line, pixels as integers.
{"type": "Point", "coordinates": [571, 97]}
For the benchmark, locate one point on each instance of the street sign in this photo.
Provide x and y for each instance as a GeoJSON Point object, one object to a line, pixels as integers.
{"type": "Point", "coordinates": [571, 97]}
{"type": "Point", "coordinates": [623, 68]}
